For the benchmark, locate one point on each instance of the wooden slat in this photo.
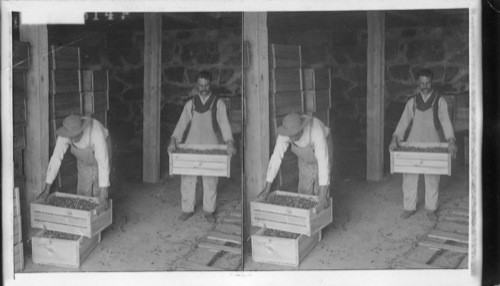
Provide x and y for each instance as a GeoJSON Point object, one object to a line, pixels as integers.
{"type": "Point", "coordinates": [453, 227]}
{"type": "Point", "coordinates": [218, 247]}
{"type": "Point", "coordinates": [65, 81]}
{"type": "Point", "coordinates": [457, 218]}
{"type": "Point", "coordinates": [437, 245]}
{"type": "Point", "coordinates": [224, 237]}
{"type": "Point", "coordinates": [95, 80]}
{"type": "Point", "coordinates": [449, 236]}
{"type": "Point", "coordinates": [285, 56]}
{"type": "Point", "coordinates": [461, 212]}
{"type": "Point", "coordinates": [152, 96]}
{"type": "Point", "coordinates": [230, 219]}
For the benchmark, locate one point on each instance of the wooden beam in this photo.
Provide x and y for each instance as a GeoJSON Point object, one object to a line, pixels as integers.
{"type": "Point", "coordinates": [36, 153]}
{"type": "Point", "coordinates": [375, 100]}
{"type": "Point", "coordinates": [256, 107]}
{"type": "Point", "coordinates": [152, 97]}
{"type": "Point", "coordinates": [437, 245]}
{"type": "Point", "coordinates": [449, 236]}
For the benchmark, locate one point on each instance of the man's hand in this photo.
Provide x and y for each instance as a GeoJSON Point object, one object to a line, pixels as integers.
{"type": "Point", "coordinates": [172, 145]}
{"type": "Point", "coordinates": [103, 198]}
{"type": "Point", "coordinates": [265, 192]}
{"type": "Point", "coordinates": [452, 148]}
{"type": "Point", "coordinates": [45, 193]}
{"type": "Point", "coordinates": [324, 202]}
{"type": "Point", "coordinates": [231, 150]}
{"type": "Point", "coordinates": [394, 143]}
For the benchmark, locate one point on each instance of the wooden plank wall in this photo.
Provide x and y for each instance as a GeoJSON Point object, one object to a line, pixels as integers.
{"type": "Point", "coordinates": [376, 90]}
{"type": "Point", "coordinates": [36, 155]}
{"type": "Point", "coordinates": [152, 96]}
{"type": "Point", "coordinates": [256, 107]}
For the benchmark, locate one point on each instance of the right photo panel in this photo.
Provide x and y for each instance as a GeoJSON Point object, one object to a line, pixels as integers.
{"type": "Point", "coordinates": [356, 140]}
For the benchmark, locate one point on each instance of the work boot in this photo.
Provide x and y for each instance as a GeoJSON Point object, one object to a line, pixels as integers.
{"type": "Point", "coordinates": [210, 217]}
{"type": "Point", "coordinates": [432, 216]}
{"type": "Point", "coordinates": [184, 216]}
{"type": "Point", "coordinates": [407, 214]}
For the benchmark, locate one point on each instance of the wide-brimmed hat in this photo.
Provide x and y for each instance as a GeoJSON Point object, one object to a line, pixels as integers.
{"type": "Point", "coordinates": [292, 124]}
{"type": "Point", "coordinates": [73, 125]}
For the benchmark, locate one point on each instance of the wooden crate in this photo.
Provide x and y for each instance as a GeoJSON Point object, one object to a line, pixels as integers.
{"type": "Point", "coordinates": [285, 56]}
{"type": "Point", "coordinates": [65, 81]}
{"type": "Point", "coordinates": [95, 101]}
{"type": "Point", "coordinates": [64, 58]}
{"type": "Point", "coordinates": [285, 80]}
{"type": "Point", "coordinates": [19, 137]}
{"type": "Point", "coordinates": [315, 79]}
{"type": "Point", "coordinates": [20, 55]}
{"type": "Point", "coordinates": [283, 103]}
{"type": "Point", "coordinates": [18, 257]}
{"type": "Point", "coordinates": [200, 164]}
{"type": "Point", "coordinates": [64, 104]}
{"type": "Point", "coordinates": [86, 223]}
{"type": "Point", "coordinates": [322, 115]}
{"type": "Point", "coordinates": [101, 116]}
{"type": "Point", "coordinates": [315, 100]}
{"type": "Point", "coordinates": [282, 251]}
{"type": "Point", "coordinates": [19, 84]}
{"type": "Point", "coordinates": [421, 162]}
{"type": "Point", "coordinates": [95, 80]}
{"type": "Point", "coordinates": [62, 252]}
{"type": "Point", "coordinates": [289, 219]}
{"type": "Point", "coordinates": [19, 110]}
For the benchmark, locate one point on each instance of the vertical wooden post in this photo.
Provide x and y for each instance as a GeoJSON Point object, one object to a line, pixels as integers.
{"type": "Point", "coordinates": [36, 153]}
{"type": "Point", "coordinates": [376, 90]}
{"type": "Point", "coordinates": [152, 97]}
{"type": "Point", "coordinates": [256, 102]}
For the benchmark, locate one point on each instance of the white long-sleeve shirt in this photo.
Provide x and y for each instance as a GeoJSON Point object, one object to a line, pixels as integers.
{"type": "Point", "coordinates": [408, 114]}
{"type": "Point", "coordinates": [317, 139]}
{"type": "Point", "coordinates": [97, 142]}
{"type": "Point", "coordinates": [186, 117]}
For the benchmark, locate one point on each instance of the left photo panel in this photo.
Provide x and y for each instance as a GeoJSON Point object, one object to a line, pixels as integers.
{"type": "Point", "coordinates": [127, 133]}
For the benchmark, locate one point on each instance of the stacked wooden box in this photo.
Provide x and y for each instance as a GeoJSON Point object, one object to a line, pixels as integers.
{"type": "Point", "coordinates": [285, 97]}
{"type": "Point", "coordinates": [96, 94]}
{"type": "Point", "coordinates": [65, 98]}
{"type": "Point", "coordinates": [21, 63]}
{"type": "Point", "coordinates": [317, 93]}
{"type": "Point", "coordinates": [86, 225]}
{"type": "Point", "coordinates": [305, 223]}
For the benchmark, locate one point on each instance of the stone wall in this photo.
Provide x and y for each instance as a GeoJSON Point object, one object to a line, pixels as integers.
{"type": "Point", "coordinates": [120, 49]}
{"type": "Point", "coordinates": [442, 48]}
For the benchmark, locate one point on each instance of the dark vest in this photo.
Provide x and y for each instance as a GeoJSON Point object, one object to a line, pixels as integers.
{"type": "Point", "coordinates": [432, 102]}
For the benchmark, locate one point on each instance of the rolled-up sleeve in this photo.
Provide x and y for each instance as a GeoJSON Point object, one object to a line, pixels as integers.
{"type": "Point", "coordinates": [282, 143]}
{"type": "Point", "coordinates": [223, 121]}
{"type": "Point", "coordinates": [444, 119]}
{"type": "Point", "coordinates": [100, 148]}
{"type": "Point", "coordinates": [55, 161]}
{"type": "Point", "coordinates": [183, 121]}
{"type": "Point", "coordinates": [321, 153]}
{"type": "Point", "coordinates": [405, 120]}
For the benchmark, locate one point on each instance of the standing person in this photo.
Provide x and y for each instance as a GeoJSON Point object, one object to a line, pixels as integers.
{"type": "Point", "coordinates": [311, 142]}
{"type": "Point", "coordinates": [426, 117]}
{"type": "Point", "coordinates": [90, 143]}
{"type": "Point", "coordinates": [205, 115]}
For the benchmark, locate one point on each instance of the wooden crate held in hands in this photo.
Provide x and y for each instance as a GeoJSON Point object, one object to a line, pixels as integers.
{"type": "Point", "coordinates": [62, 252]}
{"type": "Point", "coordinates": [199, 164]}
{"type": "Point", "coordinates": [302, 221]}
{"type": "Point", "coordinates": [420, 161]}
{"type": "Point", "coordinates": [80, 222]}
{"type": "Point", "coordinates": [283, 251]}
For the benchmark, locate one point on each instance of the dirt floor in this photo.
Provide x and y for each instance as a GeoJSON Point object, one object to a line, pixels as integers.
{"type": "Point", "coordinates": [367, 232]}
{"type": "Point", "coordinates": [146, 234]}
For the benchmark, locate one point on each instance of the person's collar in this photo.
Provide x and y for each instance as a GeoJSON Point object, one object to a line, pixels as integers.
{"type": "Point", "coordinates": [204, 98]}
{"type": "Point", "coordinates": [425, 97]}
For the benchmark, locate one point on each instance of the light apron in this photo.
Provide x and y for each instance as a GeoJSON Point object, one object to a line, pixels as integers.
{"type": "Point", "coordinates": [308, 165]}
{"type": "Point", "coordinates": [201, 131]}
{"type": "Point", "coordinates": [422, 130]}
